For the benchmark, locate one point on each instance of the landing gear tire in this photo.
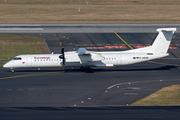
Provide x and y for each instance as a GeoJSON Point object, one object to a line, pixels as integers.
{"type": "Point", "coordinates": [86, 69]}
{"type": "Point", "coordinates": [12, 70]}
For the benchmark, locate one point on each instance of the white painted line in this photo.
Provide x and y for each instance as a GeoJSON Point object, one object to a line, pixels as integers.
{"type": "Point", "coordinates": [130, 93]}
{"type": "Point", "coordinates": [122, 84]}
{"type": "Point", "coordinates": [133, 88]}
{"type": "Point", "coordinates": [116, 85]}
{"type": "Point", "coordinates": [8, 29]}
{"type": "Point", "coordinates": [20, 25]}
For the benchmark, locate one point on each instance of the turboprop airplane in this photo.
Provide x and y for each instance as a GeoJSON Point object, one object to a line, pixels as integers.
{"type": "Point", "coordinates": [86, 59]}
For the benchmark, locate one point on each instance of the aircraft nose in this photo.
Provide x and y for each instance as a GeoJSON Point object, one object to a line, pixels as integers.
{"type": "Point", "coordinates": [7, 65]}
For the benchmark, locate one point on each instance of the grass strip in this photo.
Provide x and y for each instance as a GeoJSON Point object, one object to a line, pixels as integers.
{"type": "Point", "coordinates": [13, 45]}
{"type": "Point", "coordinates": [167, 96]}
{"type": "Point", "coordinates": [90, 12]}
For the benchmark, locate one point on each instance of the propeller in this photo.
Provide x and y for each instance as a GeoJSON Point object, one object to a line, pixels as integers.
{"type": "Point", "coordinates": [62, 56]}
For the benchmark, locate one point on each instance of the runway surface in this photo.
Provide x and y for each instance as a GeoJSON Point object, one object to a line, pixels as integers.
{"type": "Point", "coordinates": [106, 90]}
{"type": "Point", "coordinates": [83, 28]}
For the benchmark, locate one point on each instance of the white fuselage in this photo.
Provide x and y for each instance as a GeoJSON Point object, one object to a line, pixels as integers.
{"type": "Point", "coordinates": [85, 58]}
{"type": "Point", "coordinates": [73, 59]}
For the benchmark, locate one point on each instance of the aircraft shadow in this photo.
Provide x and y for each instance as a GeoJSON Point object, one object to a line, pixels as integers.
{"type": "Point", "coordinates": [97, 108]}
{"type": "Point", "coordinates": [167, 67]}
{"type": "Point", "coordinates": [91, 70]}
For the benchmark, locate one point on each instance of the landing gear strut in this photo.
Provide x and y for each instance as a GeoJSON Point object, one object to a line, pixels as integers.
{"type": "Point", "coordinates": [12, 70]}
{"type": "Point", "coordinates": [86, 69]}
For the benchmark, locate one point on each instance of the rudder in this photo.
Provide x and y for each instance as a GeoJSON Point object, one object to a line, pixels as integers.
{"type": "Point", "coordinates": [163, 40]}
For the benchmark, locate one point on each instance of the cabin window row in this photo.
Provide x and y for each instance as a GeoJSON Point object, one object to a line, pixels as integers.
{"type": "Point", "coordinates": [110, 58]}
{"type": "Point", "coordinates": [39, 60]}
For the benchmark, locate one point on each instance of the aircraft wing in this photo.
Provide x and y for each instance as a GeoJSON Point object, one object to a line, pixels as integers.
{"type": "Point", "coordinates": [85, 56]}
{"type": "Point", "coordinates": [83, 51]}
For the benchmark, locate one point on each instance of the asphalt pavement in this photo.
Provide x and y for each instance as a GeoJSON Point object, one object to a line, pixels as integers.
{"type": "Point", "coordinates": [104, 93]}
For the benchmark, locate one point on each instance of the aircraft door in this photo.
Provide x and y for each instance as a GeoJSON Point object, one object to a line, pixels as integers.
{"type": "Point", "coordinates": [118, 57]}
{"type": "Point", "coordinates": [29, 61]}
{"type": "Point", "coordinates": [12, 63]}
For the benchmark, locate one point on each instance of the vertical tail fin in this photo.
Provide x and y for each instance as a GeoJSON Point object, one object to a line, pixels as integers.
{"type": "Point", "coordinates": [162, 41]}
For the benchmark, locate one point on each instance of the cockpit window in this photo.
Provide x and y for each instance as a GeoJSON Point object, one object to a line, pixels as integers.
{"type": "Point", "coordinates": [17, 58]}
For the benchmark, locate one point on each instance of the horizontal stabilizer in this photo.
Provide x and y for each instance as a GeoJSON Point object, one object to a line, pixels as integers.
{"type": "Point", "coordinates": [166, 29]}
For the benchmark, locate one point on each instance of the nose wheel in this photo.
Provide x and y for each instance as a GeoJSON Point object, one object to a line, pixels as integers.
{"type": "Point", "coordinates": [12, 70]}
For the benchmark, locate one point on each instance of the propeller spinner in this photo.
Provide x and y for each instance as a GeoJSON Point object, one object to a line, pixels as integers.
{"type": "Point", "coordinates": [62, 56]}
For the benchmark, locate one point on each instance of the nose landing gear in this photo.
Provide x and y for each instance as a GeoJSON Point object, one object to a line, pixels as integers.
{"type": "Point", "coordinates": [12, 70]}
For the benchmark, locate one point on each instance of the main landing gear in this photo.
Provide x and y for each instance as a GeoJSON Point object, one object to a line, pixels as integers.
{"type": "Point", "coordinates": [86, 69]}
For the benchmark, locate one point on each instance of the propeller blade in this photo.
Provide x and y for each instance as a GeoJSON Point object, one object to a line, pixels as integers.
{"type": "Point", "coordinates": [64, 62]}
{"type": "Point", "coordinates": [62, 56]}
{"type": "Point", "coordinates": [62, 51]}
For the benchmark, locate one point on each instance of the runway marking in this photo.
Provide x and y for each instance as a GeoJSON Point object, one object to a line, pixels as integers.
{"type": "Point", "coordinates": [19, 89]}
{"type": "Point", "coordinates": [9, 89]}
{"type": "Point", "coordinates": [174, 44]}
{"type": "Point", "coordinates": [116, 44]}
{"type": "Point", "coordinates": [30, 89]}
{"type": "Point", "coordinates": [126, 83]}
{"type": "Point", "coordinates": [121, 84]}
{"type": "Point", "coordinates": [130, 93]}
{"type": "Point", "coordinates": [133, 88]}
{"type": "Point", "coordinates": [123, 40]}
{"type": "Point", "coordinates": [19, 76]}
{"type": "Point", "coordinates": [60, 43]}
{"type": "Point", "coordinates": [162, 63]}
